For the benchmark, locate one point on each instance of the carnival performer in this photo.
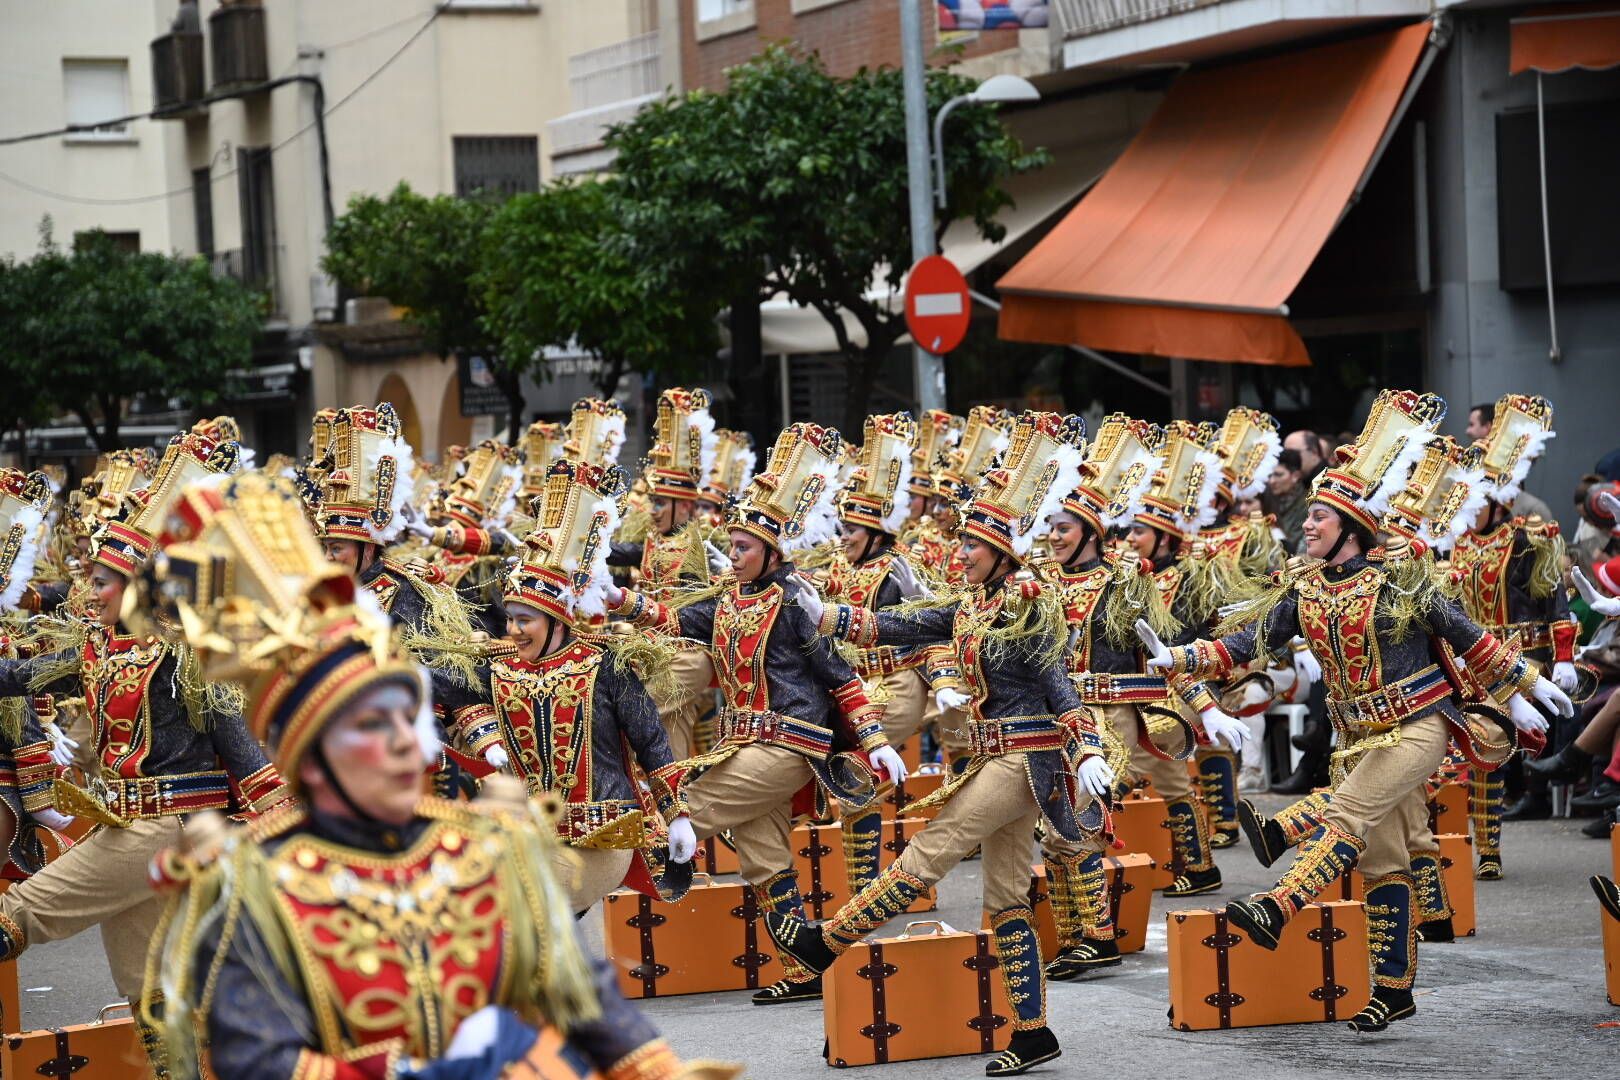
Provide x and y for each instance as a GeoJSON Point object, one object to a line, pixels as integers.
{"type": "Point", "coordinates": [1036, 755]}
{"type": "Point", "coordinates": [1511, 573]}
{"type": "Point", "coordinates": [793, 709]}
{"type": "Point", "coordinates": [167, 744]}
{"type": "Point", "coordinates": [567, 715]}
{"type": "Point", "coordinates": [673, 551]}
{"type": "Point", "coordinates": [365, 930]}
{"type": "Point", "coordinates": [734, 461]}
{"type": "Point", "coordinates": [928, 545]}
{"type": "Point", "coordinates": [1380, 630]}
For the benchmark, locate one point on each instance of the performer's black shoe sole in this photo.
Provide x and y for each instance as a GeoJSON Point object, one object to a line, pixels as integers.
{"type": "Point", "coordinates": [1265, 836]}
{"type": "Point", "coordinates": [785, 992]}
{"type": "Point", "coordinates": [1260, 920]}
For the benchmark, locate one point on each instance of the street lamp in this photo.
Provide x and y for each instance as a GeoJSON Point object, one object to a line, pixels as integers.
{"type": "Point", "coordinates": [998, 88]}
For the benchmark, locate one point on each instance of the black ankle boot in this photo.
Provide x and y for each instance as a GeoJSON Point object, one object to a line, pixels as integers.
{"type": "Point", "coordinates": [1302, 781]}
{"type": "Point", "coordinates": [801, 941]}
{"type": "Point", "coordinates": [1027, 1050]}
{"type": "Point", "coordinates": [1608, 895]}
{"type": "Point", "coordinates": [1265, 835]}
{"type": "Point", "coordinates": [1195, 883]}
{"type": "Point", "coordinates": [1535, 806]}
{"type": "Point", "coordinates": [784, 991]}
{"type": "Point", "coordinates": [1259, 917]}
{"type": "Point", "coordinates": [1082, 958]}
{"type": "Point", "coordinates": [1437, 930]}
{"type": "Point", "coordinates": [1387, 1006]}
{"type": "Point", "coordinates": [1568, 764]}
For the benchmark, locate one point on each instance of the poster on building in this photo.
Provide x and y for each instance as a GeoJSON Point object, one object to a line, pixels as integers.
{"type": "Point", "coordinates": [480, 396]}
{"type": "Point", "coordinates": [992, 14]}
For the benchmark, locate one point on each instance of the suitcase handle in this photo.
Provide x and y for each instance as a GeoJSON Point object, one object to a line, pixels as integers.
{"type": "Point", "coordinates": [115, 1007]}
{"type": "Point", "coordinates": [940, 926]}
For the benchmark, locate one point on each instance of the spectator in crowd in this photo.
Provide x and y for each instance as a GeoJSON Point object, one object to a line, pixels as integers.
{"type": "Point", "coordinates": [1312, 450]}
{"type": "Point", "coordinates": [1285, 498]}
{"type": "Point", "coordinates": [1480, 419]}
{"type": "Point", "coordinates": [1594, 532]}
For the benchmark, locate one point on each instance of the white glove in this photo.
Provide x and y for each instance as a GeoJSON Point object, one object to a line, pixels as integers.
{"type": "Point", "coordinates": [50, 818]}
{"type": "Point", "coordinates": [682, 840]}
{"type": "Point", "coordinates": [1564, 676]}
{"type": "Point", "coordinates": [476, 1033]}
{"type": "Point", "coordinates": [1095, 776]}
{"type": "Point", "coordinates": [718, 562]}
{"type": "Point", "coordinates": [805, 595]}
{"type": "Point", "coordinates": [905, 579]}
{"type": "Point", "coordinates": [1525, 716]}
{"type": "Point", "coordinates": [62, 747]}
{"type": "Point", "coordinates": [948, 698]}
{"type": "Point", "coordinates": [1307, 665]}
{"type": "Point", "coordinates": [1158, 655]}
{"type": "Point", "coordinates": [1604, 605]}
{"type": "Point", "coordinates": [497, 756]}
{"type": "Point", "coordinates": [414, 523]}
{"type": "Point", "coordinates": [886, 760]}
{"type": "Point", "coordinates": [1550, 697]}
{"type": "Point", "coordinates": [512, 541]}
{"type": "Point", "coordinates": [1224, 728]}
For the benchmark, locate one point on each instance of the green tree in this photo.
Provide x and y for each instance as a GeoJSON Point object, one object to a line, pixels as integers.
{"type": "Point", "coordinates": [102, 326]}
{"type": "Point", "coordinates": [556, 271]}
{"type": "Point", "coordinates": [791, 181]}
{"type": "Point", "coordinates": [422, 252]}
{"type": "Point", "coordinates": [26, 401]}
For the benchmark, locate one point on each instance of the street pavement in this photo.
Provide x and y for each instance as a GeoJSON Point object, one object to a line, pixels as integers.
{"type": "Point", "coordinates": [1522, 999]}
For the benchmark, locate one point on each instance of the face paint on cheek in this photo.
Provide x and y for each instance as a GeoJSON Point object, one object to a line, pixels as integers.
{"type": "Point", "coordinates": [361, 748]}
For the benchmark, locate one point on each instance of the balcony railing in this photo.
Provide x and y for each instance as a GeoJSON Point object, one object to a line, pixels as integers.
{"type": "Point", "coordinates": [1077, 18]}
{"type": "Point", "coordinates": [258, 271]}
{"type": "Point", "coordinates": [616, 72]}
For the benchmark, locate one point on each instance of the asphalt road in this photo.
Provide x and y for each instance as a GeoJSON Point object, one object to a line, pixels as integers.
{"type": "Point", "coordinates": [1523, 998]}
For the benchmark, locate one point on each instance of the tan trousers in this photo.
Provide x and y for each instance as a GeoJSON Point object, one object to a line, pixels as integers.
{"type": "Point", "coordinates": [590, 873]}
{"type": "Point", "coordinates": [693, 670]}
{"type": "Point", "coordinates": [751, 793]}
{"type": "Point", "coordinates": [1382, 800]}
{"type": "Point", "coordinates": [995, 811]}
{"type": "Point", "coordinates": [100, 881]}
{"type": "Point", "coordinates": [906, 712]}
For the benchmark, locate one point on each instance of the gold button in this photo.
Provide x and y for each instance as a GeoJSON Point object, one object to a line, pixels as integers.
{"type": "Point", "coordinates": [368, 964]}
{"type": "Point", "coordinates": [452, 841]}
{"type": "Point", "coordinates": [307, 859]}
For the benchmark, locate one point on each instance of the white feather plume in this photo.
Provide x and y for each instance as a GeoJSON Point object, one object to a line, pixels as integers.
{"type": "Point", "coordinates": [821, 522]}
{"type": "Point", "coordinates": [748, 460]}
{"type": "Point", "coordinates": [897, 517]}
{"type": "Point", "coordinates": [1479, 489]}
{"type": "Point", "coordinates": [404, 486]}
{"type": "Point", "coordinates": [708, 441]}
{"type": "Point", "coordinates": [1204, 497]}
{"type": "Point", "coordinates": [512, 476]}
{"type": "Point", "coordinates": [1513, 483]}
{"type": "Point", "coordinates": [593, 602]}
{"type": "Point", "coordinates": [1262, 471]}
{"type": "Point", "coordinates": [612, 438]}
{"type": "Point", "coordinates": [1131, 498]}
{"type": "Point", "coordinates": [1065, 480]}
{"type": "Point", "coordinates": [22, 567]}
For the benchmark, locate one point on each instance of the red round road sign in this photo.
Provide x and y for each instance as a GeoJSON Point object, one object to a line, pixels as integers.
{"type": "Point", "coordinates": [938, 307]}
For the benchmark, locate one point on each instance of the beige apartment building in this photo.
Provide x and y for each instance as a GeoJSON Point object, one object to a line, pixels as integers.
{"type": "Point", "coordinates": [498, 95]}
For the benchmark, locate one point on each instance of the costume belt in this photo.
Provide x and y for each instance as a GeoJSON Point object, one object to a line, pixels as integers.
{"type": "Point", "coordinates": [1384, 708]}
{"type": "Point", "coordinates": [886, 660]}
{"type": "Point", "coordinates": [1105, 688]}
{"type": "Point", "coordinates": [1014, 735]}
{"type": "Point", "coordinates": [736, 726]}
{"type": "Point", "coordinates": [610, 823]}
{"type": "Point", "coordinates": [1529, 635]}
{"type": "Point", "coordinates": [162, 795]}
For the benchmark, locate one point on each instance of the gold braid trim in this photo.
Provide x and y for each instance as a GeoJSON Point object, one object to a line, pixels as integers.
{"type": "Point", "coordinates": [1261, 552]}
{"type": "Point", "coordinates": [1205, 581]}
{"type": "Point", "coordinates": [59, 647]}
{"type": "Point", "coordinates": [648, 657]}
{"type": "Point", "coordinates": [1411, 589]}
{"type": "Point", "coordinates": [445, 639]}
{"type": "Point", "coordinates": [684, 598]}
{"type": "Point", "coordinates": [1547, 559]}
{"type": "Point", "coordinates": [636, 527]}
{"type": "Point", "coordinates": [650, 1061]}
{"type": "Point", "coordinates": [205, 700]}
{"type": "Point", "coordinates": [694, 563]}
{"type": "Point", "coordinates": [1135, 595]}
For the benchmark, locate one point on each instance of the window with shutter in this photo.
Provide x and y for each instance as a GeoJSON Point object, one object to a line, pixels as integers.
{"type": "Point", "coordinates": [496, 164]}
{"type": "Point", "coordinates": [96, 91]}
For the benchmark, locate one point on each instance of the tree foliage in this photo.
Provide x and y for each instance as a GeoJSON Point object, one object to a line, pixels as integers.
{"type": "Point", "coordinates": [556, 271]}
{"type": "Point", "coordinates": [791, 181]}
{"type": "Point", "coordinates": [91, 329]}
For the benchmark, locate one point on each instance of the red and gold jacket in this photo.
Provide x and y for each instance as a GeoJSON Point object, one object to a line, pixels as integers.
{"type": "Point", "coordinates": [1511, 579]}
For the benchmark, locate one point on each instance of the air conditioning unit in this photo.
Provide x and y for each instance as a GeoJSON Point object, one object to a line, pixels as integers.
{"type": "Point", "coordinates": [238, 45]}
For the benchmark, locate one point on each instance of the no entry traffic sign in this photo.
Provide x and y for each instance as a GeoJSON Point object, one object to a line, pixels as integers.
{"type": "Point", "coordinates": [937, 304]}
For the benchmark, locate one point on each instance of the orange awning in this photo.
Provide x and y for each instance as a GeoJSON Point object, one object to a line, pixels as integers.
{"type": "Point", "coordinates": [1567, 36]}
{"type": "Point", "coordinates": [1193, 241]}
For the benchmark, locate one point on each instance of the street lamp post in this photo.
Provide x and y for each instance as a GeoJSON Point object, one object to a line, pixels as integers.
{"type": "Point", "coordinates": [997, 88]}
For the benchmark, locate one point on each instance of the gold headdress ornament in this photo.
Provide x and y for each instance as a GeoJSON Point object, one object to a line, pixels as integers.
{"type": "Point", "coordinates": [24, 500]}
{"type": "Point", "coordinates": [101, 495]}
{"type": "Point", "coordinates": [1442, 496]}
{"type": "Point", "coordinates": [1180, 499]}
{"type": "Point", "coordinates": [125, 543]}
{"type": "Point", "coordinates": [1247, 447]}
{"type": "Point", "coordinates": [877, 495]}
{"type": "Point", "coordinates": [485, 491]}
{"type": "Point", "coordinates": [370, 475]}
{"type": "Point", "coordinates": [734, 462]}
{"type": "Point", "coordinates": [937, 432]}
{"type": "Point", "coordinates": [1026, 483]}
{"type": "Point", "coordinates": [959, 465]}
{"type": "Point", "coordinates": [542, 444]}
{"type": "Point", "coordinates": [595, 432]}
{"type": "Point", "coordinates": [1116, 473]}
{"type": "Point", "coordinates": [563, 570]}
{"type": "Point", "coordinates": [1368, 473]}
{"type": "Point", "coordinates": [791, 505]}
{"type": "Point", "coordinates": [1519, 433]}
{"type": "Point", "coordinates": [684, 444]}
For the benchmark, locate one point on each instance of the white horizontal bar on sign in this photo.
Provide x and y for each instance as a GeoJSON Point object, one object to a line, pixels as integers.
{"type": "Point", "coordinates": [945, 303]}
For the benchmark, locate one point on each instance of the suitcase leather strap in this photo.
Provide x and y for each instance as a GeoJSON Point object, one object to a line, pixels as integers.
{"type": "Point", "coordinates": [1117, 888]}
{"type": "Point", "coordinates": [64, 1063]}
{"type": "Point", "coordinates": [1330, 991]}
{"type": "Point", "coordinates": [751, 959]}
{"type": "Point", "coordinates": [898, 844]}
{"type": "Point", "coordinates": [649, 971]}
{"type": "Point", "coordinates": [983, 962]}
{"type": "Point", "coordinates": [1223, 998]}
{"type": "Point", "coordinates": [880, 1031]}
{"type": "Point", "coordinates": [817, 895]}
